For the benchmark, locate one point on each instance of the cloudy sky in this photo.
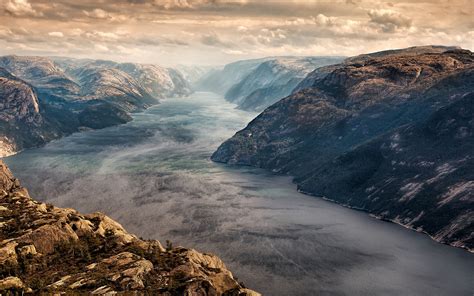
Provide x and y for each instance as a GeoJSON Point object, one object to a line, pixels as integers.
{"type": "Point", "coordinates": [219, 31]}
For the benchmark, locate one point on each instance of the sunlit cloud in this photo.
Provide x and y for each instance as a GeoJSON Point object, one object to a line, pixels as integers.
{"type": "Point", "coordinates": [20, 8]}
{"type": "Point", "coordinates": [220, 31]}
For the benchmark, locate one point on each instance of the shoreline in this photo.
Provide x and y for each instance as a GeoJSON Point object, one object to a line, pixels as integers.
{"type": "Point", "coordinates": [378, 217]}
{"type": "Point", "coordinates": [12, 152]}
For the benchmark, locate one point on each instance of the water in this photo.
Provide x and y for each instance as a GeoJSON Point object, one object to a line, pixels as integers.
{"type": "Point", "coordinates": [154, 176]}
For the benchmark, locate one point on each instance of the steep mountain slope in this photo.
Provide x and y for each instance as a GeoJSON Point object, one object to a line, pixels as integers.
{"type": "Point", "coordinates": [45, 249]}
{"type": "Point", "coordinates": [420, 175]}
{"type": "Point", "coordinates": [273, 80]}
{"type": "Point", "coordinates": [42, 73]}
{"type": "Point", "coordinates": [19, 112]}
{"type": "Point", "coordinates": [358, 102]}
{"type": "Point", "coordinates": [158, 81]}
{"type": "Point", "coordinates": [193, 74]}
{"type": "Point", "coordinates": [114, 86]}
{"type": "Point", "coordinates": [221, 80]}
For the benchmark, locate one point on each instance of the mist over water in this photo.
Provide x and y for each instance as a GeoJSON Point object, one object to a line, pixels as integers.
{"type": "Point", "coordinates": [154, 176]}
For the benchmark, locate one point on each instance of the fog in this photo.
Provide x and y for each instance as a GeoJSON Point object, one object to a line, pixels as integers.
{"type": "Point", "coordinates": [154, 176]}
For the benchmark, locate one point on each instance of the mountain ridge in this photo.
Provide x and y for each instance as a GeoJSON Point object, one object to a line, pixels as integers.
{"type": "Point", "coordinates": [72, 95]}
{"type": "Point", "coordinates": [352, 104]}
{"type": "Point", "coordinates": [257, 83]}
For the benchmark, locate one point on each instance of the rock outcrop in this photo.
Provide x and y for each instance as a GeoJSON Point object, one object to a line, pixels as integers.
{"type": "Point", "coordinates": [45, 249]}
{"type": "Point", "coordinates": [364, 134]}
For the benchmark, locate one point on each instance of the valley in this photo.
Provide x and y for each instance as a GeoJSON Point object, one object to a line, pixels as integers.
{"type": "Point", "coordinates": [154, 176]}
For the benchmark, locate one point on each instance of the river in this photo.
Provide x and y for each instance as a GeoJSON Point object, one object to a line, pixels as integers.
{"type": "Point", "coordinates": [154, 176]}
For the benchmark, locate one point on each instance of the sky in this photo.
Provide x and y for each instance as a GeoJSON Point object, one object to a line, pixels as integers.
{"type": "Point", "coordinates": [214, 32]}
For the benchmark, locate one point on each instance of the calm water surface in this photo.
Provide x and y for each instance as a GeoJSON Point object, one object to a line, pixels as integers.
{"type": "Point", "coordinates": [154, 176]}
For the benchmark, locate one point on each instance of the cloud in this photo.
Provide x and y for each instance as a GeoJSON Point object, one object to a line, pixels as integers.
{"type": "Point", "coordinates": [97, 13]}
{"type": "Point", "coordinates": [20, 8]}
{"type": "Point", "coordinates": [56, 34]}
{"type": "Point", "coordinates": [173, 31]}
{"type": "Point", "coordinates": [182, 3]}
{"type": "Point", "coordinates": [389, 20]}
{"type": "Point", "coordinates": [212, 39]}
{"type": "Point", "coordinates": [101, 47]}
{"type": "Point", "coordinates": [103, 36]}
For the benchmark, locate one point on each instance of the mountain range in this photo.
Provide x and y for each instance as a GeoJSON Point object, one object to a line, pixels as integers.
{"type": "Point", "coordinates": [47, 98]}
{"type": "Point", "coordinates": [256, 84]}
{"type": "Point", "coordinates": [390, 133]}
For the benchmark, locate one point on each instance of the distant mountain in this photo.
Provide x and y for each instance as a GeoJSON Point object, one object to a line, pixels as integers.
{"type": "Point", "coordinates": [45, 248]}
{"type": "Point", "coordinates": [273, 80]}
{"type": "Point", "coordinates": [158, 81]}
{"type": "Point", "coordinates": [42, 73]}
{"type": "Point", "coordinates": [194, 73]}
{"type": "Point", "coordinates": [47, 98]}
{"type": "Point", "coordinates": [221, 80]}
{"type": "Point", "coordinates": [116, 86]}
{"type": "Point", "coordinates": [256, 84]}
{"type": "Point", "coordinates": [390, 133]}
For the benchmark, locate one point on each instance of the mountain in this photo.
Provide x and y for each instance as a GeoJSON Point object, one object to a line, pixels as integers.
{"type": "Point", "coordinates": [194, 73]}
{"type": "Point", "coordinates": [19, 111]}
{"type": "Point", "coordinates": [321, 72]}
{"type": "Point", "coordinates": [158, 81]}
{"type": "Point", "coordinates": [273, 80]}
{"type": "Point", "coordinates": [42, 73]}
{"type": "Point", "coordinates": [46, 250]}
{"type": "Point", "coordinates": [115, 86]}
{"type": "Point", "coordinates": [256, 84]}
{"type": "Point", "coordinates": [221, 80]}
{"type": "Point", "coordinates": [390, 134]}
{"type": "Point", "coordinates": [47, 98]}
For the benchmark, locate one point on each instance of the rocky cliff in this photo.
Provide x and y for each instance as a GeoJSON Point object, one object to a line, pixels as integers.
{"type": "Point", "coordinates": [22, 122]}
{"type": "Point", "coordinates": [364, 134]}
{"type": "Point", "coordinates": [45, 249]}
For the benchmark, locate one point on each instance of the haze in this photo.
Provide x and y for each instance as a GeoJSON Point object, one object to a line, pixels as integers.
{"type": "Point", "coordinates": [210, 32]}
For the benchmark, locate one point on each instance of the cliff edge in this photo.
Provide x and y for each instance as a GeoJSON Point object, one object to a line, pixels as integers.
{"type": "Point", "coordinates": [45, 249]}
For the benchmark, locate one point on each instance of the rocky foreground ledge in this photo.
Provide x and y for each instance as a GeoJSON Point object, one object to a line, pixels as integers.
{"type": "Point", "coordinates": [45, 249]}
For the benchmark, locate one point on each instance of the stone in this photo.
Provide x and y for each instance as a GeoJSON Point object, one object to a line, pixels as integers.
{"type": "Point", "coordinates": [12, 283]}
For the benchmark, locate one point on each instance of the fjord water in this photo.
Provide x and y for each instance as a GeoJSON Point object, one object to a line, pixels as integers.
{"type": "Point", "coordinates": [154, 176]}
